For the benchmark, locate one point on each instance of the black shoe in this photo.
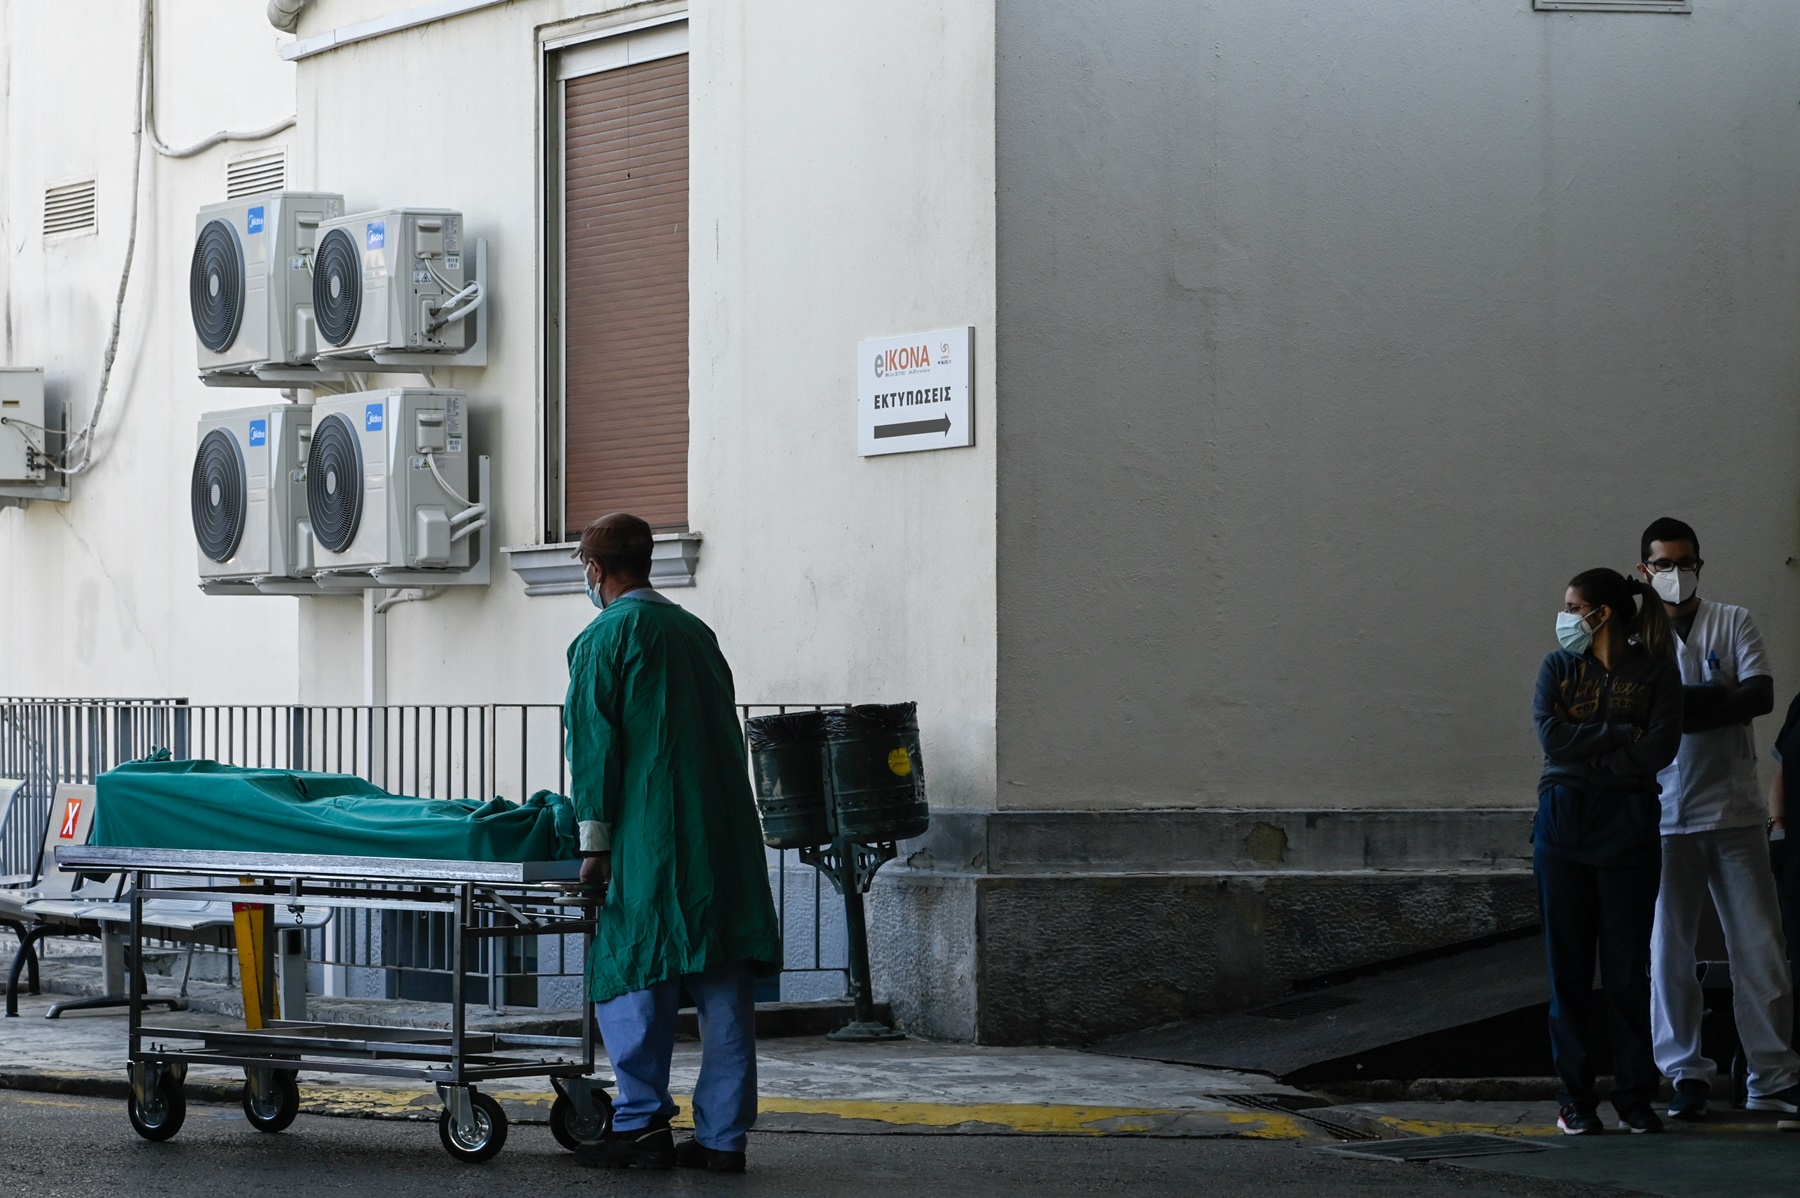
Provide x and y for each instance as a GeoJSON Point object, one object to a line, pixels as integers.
{"type": "Point", "coordinates": [1689, 1103]}
{"type": "Point", "coordinates": [692, 1154]}
{"type": "Point", "coordinates": [651, 1147]}
{"type": "Point", "coordinates": [1578, 1120]}
{"type": "Point", "coordinates": [1639, 1120]}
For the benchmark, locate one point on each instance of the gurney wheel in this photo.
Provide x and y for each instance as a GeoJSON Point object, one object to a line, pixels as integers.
{"type": "Point", "coordinates": [277, 1104]}
{"type": "Point", "coordinates": [163, 1116]}
{"type": "Point", "coordinates": [570, 1129]}
{"type": "Point", "coordinates": [480, 1142]}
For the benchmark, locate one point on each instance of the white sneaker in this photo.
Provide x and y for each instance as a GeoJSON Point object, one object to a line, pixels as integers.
{"type": "Point", "coordinates": [1786, 1101]}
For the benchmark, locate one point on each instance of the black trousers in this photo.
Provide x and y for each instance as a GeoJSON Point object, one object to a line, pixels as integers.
{"type": "Point", "coordinates": [1605, 911]}
{"type": "Point", "coordinates": [1786, 862]}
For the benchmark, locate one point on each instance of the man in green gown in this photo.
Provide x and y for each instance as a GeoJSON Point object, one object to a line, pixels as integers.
{"type": "Point", "coordinates": [668, 825]}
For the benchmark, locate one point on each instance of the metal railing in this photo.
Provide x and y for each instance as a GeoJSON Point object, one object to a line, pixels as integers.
{"type": "Point", "coordinates": [429, 751]}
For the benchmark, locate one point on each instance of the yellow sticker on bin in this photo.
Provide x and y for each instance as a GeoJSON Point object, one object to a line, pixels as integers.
{"type": "Point", "coordinates": [899, 762]}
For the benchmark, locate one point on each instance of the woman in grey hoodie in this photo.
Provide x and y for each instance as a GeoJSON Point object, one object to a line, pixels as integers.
{"type": "Point", "coordinates": [1608, 715]}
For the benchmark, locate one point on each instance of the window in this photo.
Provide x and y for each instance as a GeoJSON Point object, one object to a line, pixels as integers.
{"type": "Point", "coordinates": [1612, 5]}
{"type": "Point", "coordinates": [617, 362]}
{"type": "Point", "coordinates": [70, 208]}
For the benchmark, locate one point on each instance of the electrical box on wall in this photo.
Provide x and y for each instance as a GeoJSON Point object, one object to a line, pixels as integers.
{"type": "Point", "coordinates": [23, 433]}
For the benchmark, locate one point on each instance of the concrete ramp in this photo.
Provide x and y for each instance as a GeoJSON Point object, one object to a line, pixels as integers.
{"type": "Point", "coordinates": [1474, 1013]}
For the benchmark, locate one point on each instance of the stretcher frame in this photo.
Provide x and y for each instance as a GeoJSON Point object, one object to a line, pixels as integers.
{"type": "Point", "coordinates": [484, 900]}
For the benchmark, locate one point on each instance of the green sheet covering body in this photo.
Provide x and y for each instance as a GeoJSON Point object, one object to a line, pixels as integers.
{"type": "Point", "coordinates": [163, 804]}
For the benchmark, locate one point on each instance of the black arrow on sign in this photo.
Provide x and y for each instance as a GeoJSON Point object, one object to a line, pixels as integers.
{"type": "Point", "coordinates": [913, 428]}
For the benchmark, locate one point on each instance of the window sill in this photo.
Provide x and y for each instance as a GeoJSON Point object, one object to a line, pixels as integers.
{"type": "Point", "coordinates": [553, 570]}
{"type": "Point", "coordinates": [1672, 6]}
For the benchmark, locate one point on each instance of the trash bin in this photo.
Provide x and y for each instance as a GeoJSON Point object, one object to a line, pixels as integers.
{"type": "Point", "coordinates": [790, 778]}
{"type": "Point", "coordinates": [873, 755]}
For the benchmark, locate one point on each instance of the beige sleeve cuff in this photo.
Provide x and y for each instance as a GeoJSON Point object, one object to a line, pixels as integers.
{"type": "Point", "coordinates": [595, 837]}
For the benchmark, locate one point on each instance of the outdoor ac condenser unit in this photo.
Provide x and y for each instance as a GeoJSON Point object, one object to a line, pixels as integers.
{"type": "Point", "coordinates": [248, 493]}
{"type": "Point", "coordinates": [394, 281]}
{"type": "Point", "coordinates": [22, 432]}
{"type": "Point", "coordinates": [387, 481]}
{"type": "Point", "coordinates": [250, 281]}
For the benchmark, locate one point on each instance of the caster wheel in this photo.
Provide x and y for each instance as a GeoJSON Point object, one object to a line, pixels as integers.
{"type": "Point", "coordinates": [480, 1141]}
{"type": "Point", "coordinates": [271, 1098]}
{"type": "Point", "coordinates": [162, 1116]}
{"type": "Point", "coordinates": [571, 1130]}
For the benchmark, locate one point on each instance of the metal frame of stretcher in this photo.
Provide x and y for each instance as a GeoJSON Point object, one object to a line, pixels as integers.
{"type": "Point", "coordinates": [484, 900]}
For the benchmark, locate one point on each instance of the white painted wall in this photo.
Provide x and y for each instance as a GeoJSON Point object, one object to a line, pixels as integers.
{"type": "Point", "coordinates": [1335, 339]}
{"type": "Point", "coordinates": [842, 188]}
{"type": "Point", "coordinates": [98, 597]}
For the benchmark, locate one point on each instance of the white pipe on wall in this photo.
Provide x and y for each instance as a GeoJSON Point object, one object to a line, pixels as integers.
{"type": "Point", "coordinates": [285, 14]}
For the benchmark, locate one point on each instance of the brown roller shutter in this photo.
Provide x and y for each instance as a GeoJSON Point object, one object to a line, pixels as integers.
{"type": "Point", "coordinates": [625, 172]}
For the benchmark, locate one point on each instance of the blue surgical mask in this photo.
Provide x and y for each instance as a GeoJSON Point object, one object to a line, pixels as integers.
{"type": "Point", "coordinates": [1572, 632]}
{"type": "Point", "coordinates": [593, 592]}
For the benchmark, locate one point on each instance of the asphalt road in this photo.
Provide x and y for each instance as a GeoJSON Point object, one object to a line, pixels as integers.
{"type": "Point", "coordinates": [53, 1145]}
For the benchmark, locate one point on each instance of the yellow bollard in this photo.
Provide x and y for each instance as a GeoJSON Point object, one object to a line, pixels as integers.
{"type": "Point", "coordinates": [256, 962]}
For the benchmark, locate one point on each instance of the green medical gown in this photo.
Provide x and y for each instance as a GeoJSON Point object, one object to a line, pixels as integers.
{"type": "Point", "coordinates": [656, 754]}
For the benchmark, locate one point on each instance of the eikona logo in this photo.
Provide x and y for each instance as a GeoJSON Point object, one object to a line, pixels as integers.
{"type": "Point", "coordinates": [900, 361]}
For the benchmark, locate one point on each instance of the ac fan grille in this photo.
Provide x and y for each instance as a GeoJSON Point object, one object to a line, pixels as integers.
{"type": "Point", "coordinates": [216, 286]}
{"type": "Point", "coordinates": [218, 497]}
{"type": "Point", "coordinates": [337, 286]}
{"type": "Point", "coordinates": [334, 483]}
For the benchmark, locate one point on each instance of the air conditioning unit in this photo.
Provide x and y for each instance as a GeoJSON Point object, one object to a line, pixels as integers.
{"type": "Point", "coordinates": [387, 480]}
{"type": "Point", "coordinates": [248, 493]}
{"type": "Point", "coordinates": [23, 437]}
{"type": "Point", "coordinates": [395, 281]}
{"type": "Point", "coordinates": [250, 282]}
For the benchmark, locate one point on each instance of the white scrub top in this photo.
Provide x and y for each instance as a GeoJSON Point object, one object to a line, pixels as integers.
{"type": "Point", "coordinates": [1711, 784]}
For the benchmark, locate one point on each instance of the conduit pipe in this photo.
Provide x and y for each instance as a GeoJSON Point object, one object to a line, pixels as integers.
{"type": "Point", "coordinates": [285, 14]}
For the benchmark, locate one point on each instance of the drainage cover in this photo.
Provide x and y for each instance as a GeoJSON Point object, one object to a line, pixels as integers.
{"type": "Point", "coordinates": [1300, 1008]}
{"type": "Point", "coordinates": [1435, 1148]}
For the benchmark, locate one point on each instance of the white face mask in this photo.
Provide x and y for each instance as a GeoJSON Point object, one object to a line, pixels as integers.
{"type": "Point", "coordinates": [1572, 632]}
{"type": "Point", "coordinates": [1675, 586]}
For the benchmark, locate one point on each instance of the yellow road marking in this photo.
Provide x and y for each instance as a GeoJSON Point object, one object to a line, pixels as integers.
{"type": "Point", "coordinates": [1016, 1117]}
{"type": "Point", "coordinates": [1431, 1127]}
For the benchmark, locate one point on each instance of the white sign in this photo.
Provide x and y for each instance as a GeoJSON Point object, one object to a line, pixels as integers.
{"type": "Point", "coordinates": [913, 392]}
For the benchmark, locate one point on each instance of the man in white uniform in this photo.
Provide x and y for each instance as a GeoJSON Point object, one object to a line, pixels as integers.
{"type": "Point", "coordinates": [1715, 839]}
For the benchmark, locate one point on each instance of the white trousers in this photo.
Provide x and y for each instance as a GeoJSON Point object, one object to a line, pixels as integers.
{"type": "Point", "coordinates": [1733, 865]}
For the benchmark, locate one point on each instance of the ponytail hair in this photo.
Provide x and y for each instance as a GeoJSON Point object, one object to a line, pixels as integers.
{"type": "Point", "coordinates": [1645, 620]}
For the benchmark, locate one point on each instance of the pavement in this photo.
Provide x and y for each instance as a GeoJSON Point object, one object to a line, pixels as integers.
{"type": "Point", "coordinates": [1217, 1127]}
{"type": "Point", "coordinates": [76, 1147]}
{"type": "Point", "coordinates": [805, 1084]}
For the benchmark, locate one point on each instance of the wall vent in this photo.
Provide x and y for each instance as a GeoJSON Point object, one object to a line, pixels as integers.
{"type": "Point", "coordinates": [69, 208]}
{"type": "Point", "coordinates": [256, 173]}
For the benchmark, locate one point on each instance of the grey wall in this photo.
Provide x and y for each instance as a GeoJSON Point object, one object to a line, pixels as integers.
{"type": "Point", "coordinates": [1334, 339]}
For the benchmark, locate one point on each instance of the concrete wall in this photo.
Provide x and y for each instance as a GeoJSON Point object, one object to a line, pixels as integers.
{"type": "Point", "coordinates": [97, 597]}
{"type": "Point", "coordinates": [842, 188]}
{"type": "Point", "coordinates": [1335, 339]}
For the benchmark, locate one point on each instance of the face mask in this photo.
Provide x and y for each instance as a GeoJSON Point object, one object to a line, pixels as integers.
{"type": "Point", "coordinates": [593, 593]}
{"type": "Point", "coordinates": [1676, 586]}
{"type": "Point", "coordinates": [1572, 632]}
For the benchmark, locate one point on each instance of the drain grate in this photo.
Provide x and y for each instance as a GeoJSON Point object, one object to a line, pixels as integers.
{"type": "Point", "coordinates": [1300, 1008]}
{"type": "Point", "coordinates": [1435, 1148]}
{"type": "Point", "coordinates": [1309, 1112]}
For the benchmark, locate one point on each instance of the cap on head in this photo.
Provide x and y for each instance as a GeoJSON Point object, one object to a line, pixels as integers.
{"type": "Point", "coordinates": [620, 542]}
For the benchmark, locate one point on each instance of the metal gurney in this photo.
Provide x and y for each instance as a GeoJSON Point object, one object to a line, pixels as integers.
{"type": "Point", "coordinates": [480, 899]}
